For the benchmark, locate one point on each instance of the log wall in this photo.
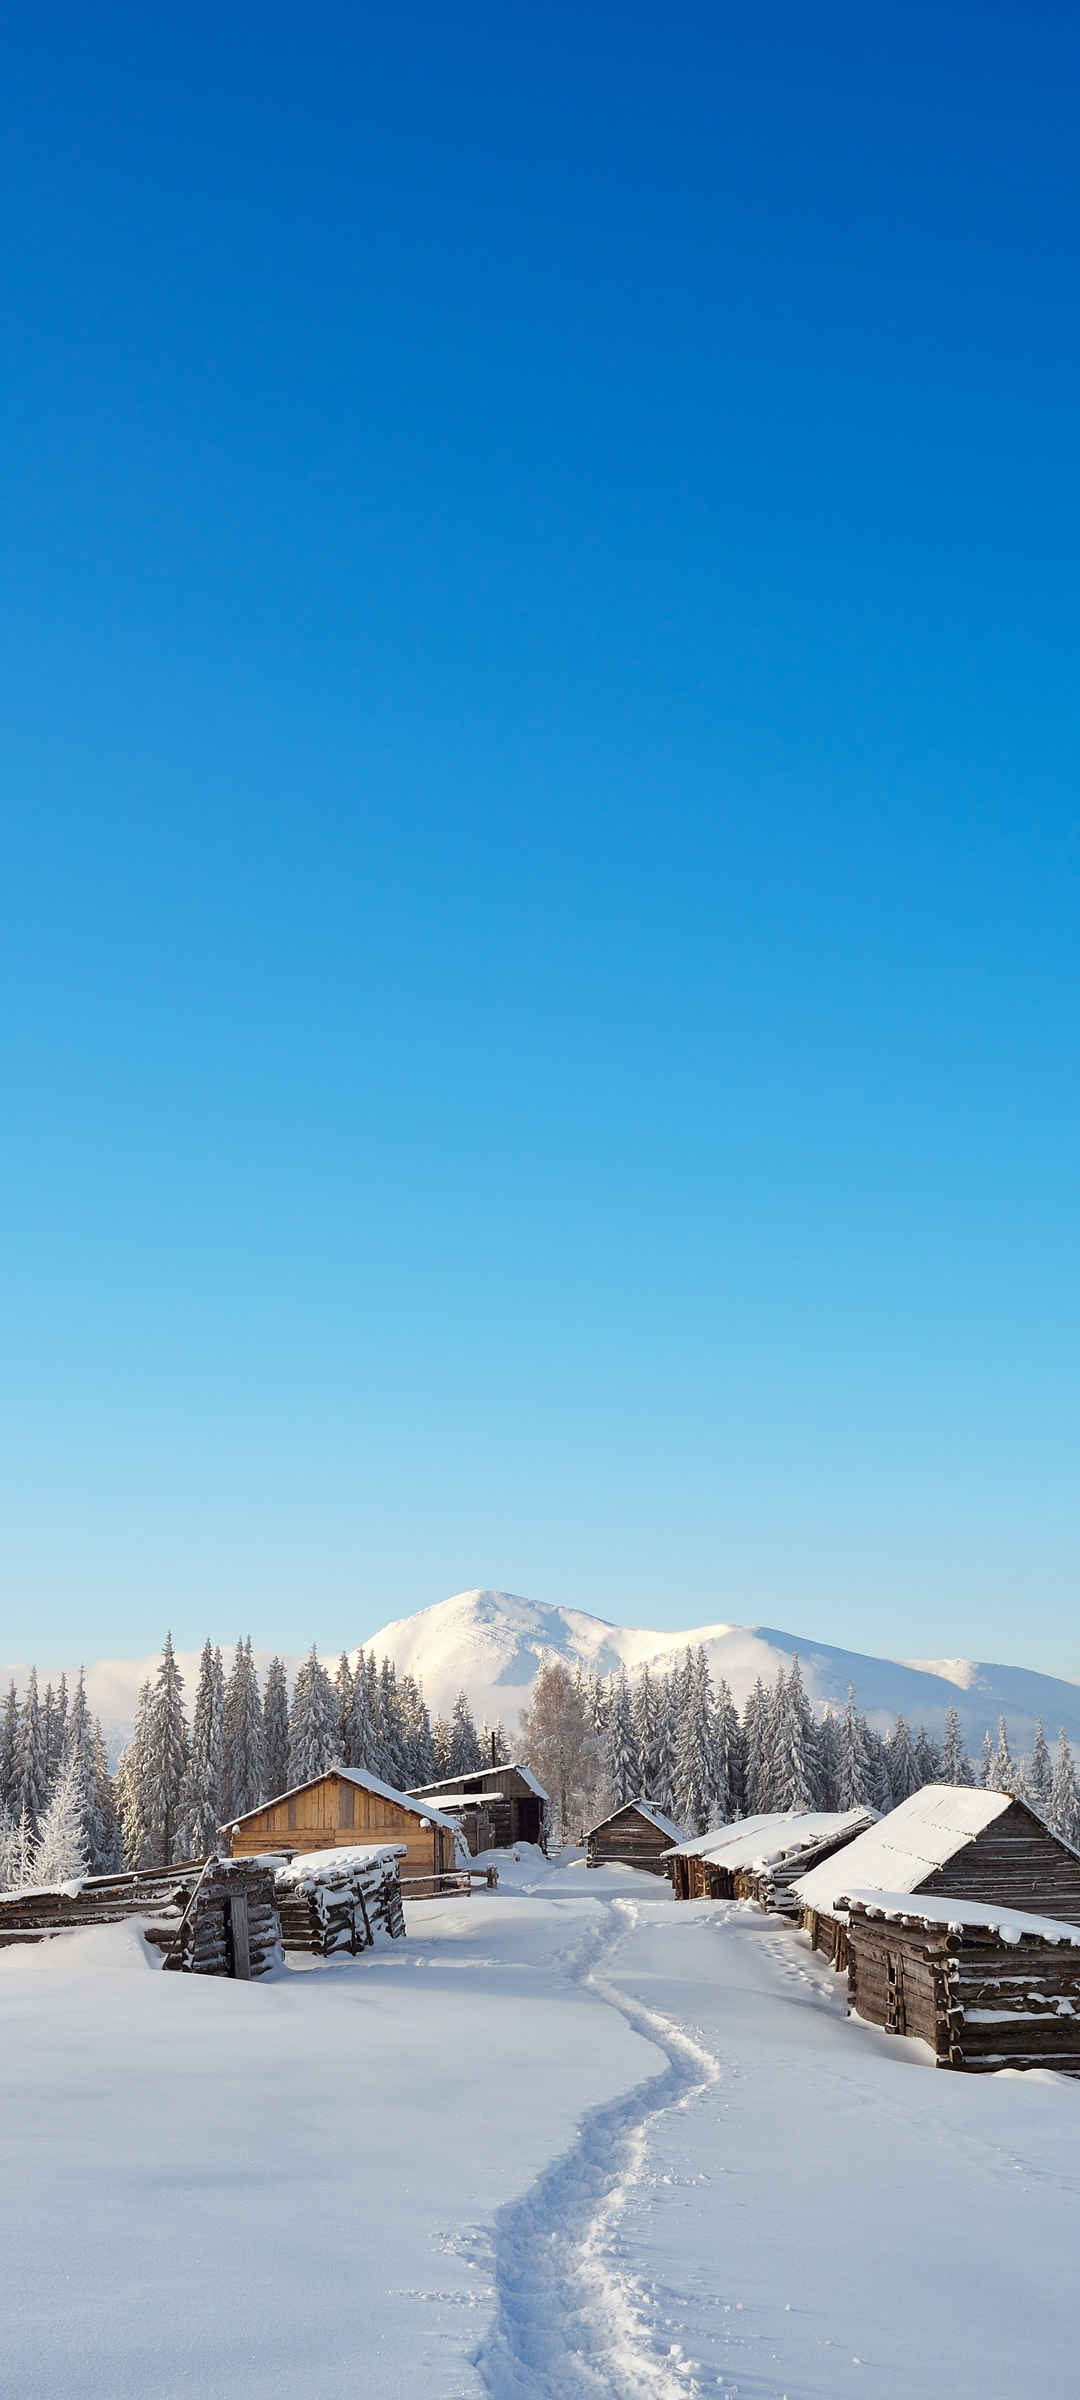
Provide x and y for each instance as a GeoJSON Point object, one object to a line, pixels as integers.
{"type": "Point", "coordinates": [630, 1841]}
{"type": "Point", "coordinates": [1015, 1862]}
{"type": "Point", "coordinates": [981, 2003]}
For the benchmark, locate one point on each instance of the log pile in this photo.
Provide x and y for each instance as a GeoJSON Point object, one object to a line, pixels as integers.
{"type": "Point", "coordinates": [230, 1924]}
{"type": "Point", "coordinates": [161, 1892]}
{"type": "Point", "coordinates": [980, 2000]}
{"type": "Point", "coordinates": [335, 1901]}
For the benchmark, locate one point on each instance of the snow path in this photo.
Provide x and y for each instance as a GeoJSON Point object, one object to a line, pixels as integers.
{"type": "Point", "coordinates": [570, 2320]}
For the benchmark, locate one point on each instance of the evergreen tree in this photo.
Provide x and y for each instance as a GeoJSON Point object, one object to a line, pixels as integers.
{"type": "Point", "coordinates": [857, 1781]}
{"type": "Point", "coordinates": [440, 1743]}
{"type": "Point", "coordinates": [903, 1773]}
{"type": "Point", "coordinates": [416, 1728]}
{"type": "Point", "coordinates": [9, 1753]}
{"type": "Point", "coordinates": [60, 1725]}
{"type": "Point", "coordinates": [243, 1778]}
{"type": "Point", "coordinates": [697, 1802]}
{"type": "Point", "coordinates": [395, 1769]}
{"type": "Point", "coordinates": [312, 1722]}
{"type": "Point", "coordinates": [792, 1768]}
{"type": "Point", "coordinates": [10, 1859]}
{"type": "Point", "coordinates": [276, 1730]}
{"type": "Point", "coordinates": [1064, 1796]}
{"type": "Point", "coordinates": [1003, 1776]}
{"type": "Point", "coordinates": [105, 1844]}
{"type": "Point", "coordinates": [501, 1752]}
{"type": "Point", "coordinates": [465, 1758]}
{"type": "Point", "coordinates": [167, 1758]}
{"type": "Point", "coordinates": [726, 1801]}
{"type": "Point", "coordinates": [49, 1744]}
{"type": "Point", "coordinates": [669, 1719]}
{"type": "Point", "coordinates": [829, 1756]}
{"type": "Point", "coordinates": [986, 1776]}
{"type": "Point", "coordinates": [31, 1778]}
{"type": "Point", "coordinates": [955, 1763]}
{"type": "Point", "coordinates": [361, 1748]}
{"type": "Point", "coordinates": [645, 1716]}
{"type": "Point", "coordinates": [343, 1693]}
{"type": "Point", "coordinates": [204, 1792]}
{"type": "Point", "coordinates": [622, 1761]}
{"type": "Point", "coordinates": [755, 1729]}
{"type": "Point", "coordinates": [1039, 1780]}
{"type": "Point", "coordinates": [60, 1853]}
{"type": "Point", "coordinates": [133, 1788]}
{"type": "Point", "coordinates": [927, 1759]}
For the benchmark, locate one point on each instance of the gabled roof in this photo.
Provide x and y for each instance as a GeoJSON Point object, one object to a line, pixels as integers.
{"type": "Point", "coordinates": [452, 1783]}
{"type": "Point", "coordinates": [641, 1808]}
{"type": "Point", "coordinates": [973, 1916]}
{"type": "Point", "coordinates": [762, 1841]}
{"type": "Point", "coordinates": [905, 1848]}
{"type": "Point", "coordinates": [364, 1783]}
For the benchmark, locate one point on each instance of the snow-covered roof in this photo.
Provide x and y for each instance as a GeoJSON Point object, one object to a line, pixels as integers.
{"type": "Point", "coordinates": [364, 1783]}
{"type": "Point", "coordinates": [904, 1848]}
{"type": "Point", "coordinates": [292, 1875]}
{"type": "Point", "coordinates": [762, 1841]}
{"type": "Point", "coordinates": [450, 1783]}
{"type": "Point", "coordinates": [981, 1916]}
{"type": "Point", "coordinates": [643, 1808]}
{"type": "Point", "coordinates": [467, 1799]}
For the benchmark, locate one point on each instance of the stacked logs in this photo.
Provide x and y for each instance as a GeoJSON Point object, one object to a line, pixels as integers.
{"type": "Point", "coordinates": [334, 1901]}
{"type": "Point", "coordinates": [162, 1892]}
{"type": "Point", "coordinates": [230, 1926]}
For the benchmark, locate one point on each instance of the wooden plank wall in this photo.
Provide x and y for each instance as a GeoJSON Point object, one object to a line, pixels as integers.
{"type": "Point", "coordinates": [632, 1842]}
{"type": "Point", "coordinates": [1014, 1863]}
{"type": "Point", "coordinates": [333, 1813]}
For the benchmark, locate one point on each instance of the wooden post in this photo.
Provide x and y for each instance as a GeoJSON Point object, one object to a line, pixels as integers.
{"type": "Point", "coordinates": [237, 1912]}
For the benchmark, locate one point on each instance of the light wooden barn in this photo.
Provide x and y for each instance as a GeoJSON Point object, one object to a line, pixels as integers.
{"type": "Point", "coordinates": [636, 1835]}
{"type": "Point", "coordinates": [759, 1858]}
{"type": "Point", "coordinates": [984, 1988]}
{"type": "Point", "coordinates": [344, 1807]}
{"type": "Point", "coordinates": [947, 1839]}
{"type": "Point", "coordinates": [496, 1807]}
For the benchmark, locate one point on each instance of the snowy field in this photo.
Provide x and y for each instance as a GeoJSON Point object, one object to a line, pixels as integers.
{"type": "Point", "coordinates": [569, 2139]}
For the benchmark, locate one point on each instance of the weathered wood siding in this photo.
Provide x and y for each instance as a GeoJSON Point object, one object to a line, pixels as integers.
{"type": "Point", "coordinates": [629, 1841]}
{"type": "Point", "coordinates": [334, 1814]}
{"type": "Point", "coordinates": [981, 2003]}
{"type": "Point", "coordinates": [1014, 1863]}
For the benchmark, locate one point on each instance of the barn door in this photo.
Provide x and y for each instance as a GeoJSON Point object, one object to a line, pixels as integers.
{"type": "Point", "coordinates": [895, 2017]}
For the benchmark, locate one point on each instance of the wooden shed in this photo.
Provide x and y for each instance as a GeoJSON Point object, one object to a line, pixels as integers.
{"type": "Point", "coordinates": [985, 1988]}
{"type": "Point", "coordinates": [970, 1845]}
{"type": "Point", "coordinates": [636, 1835]}
{"type": "Point", "coordinates": [341, 1808]}
{"type": "Point", "coordinates": [495, 1807]}
{"type": "Point", "coordinates": [759, 1858]}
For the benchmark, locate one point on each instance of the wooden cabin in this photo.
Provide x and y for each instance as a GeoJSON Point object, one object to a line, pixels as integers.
{"type": "Point", "coordinates": [984, 1988]}
{"type": "Point", "coordinates": [495, 1807]}
{"type": "Point", "coordinates": [759, 1858]}
{"type": "Point", "coordinates": [947, 1839]}
{"type": "Point", "coordinates": [636, 1835]}
{"type": "Point", "coordinates": [344, 1807]}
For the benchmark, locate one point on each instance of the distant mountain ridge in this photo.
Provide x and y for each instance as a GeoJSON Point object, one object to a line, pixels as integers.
{"type": "Point", "coordinates": [491, 1643]}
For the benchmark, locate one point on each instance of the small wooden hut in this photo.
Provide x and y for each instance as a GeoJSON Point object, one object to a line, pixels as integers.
{"type": "Point", "coordinates": [495, 1807]}
{"type": "Point", "coordinates": [636, 1835]}
{"type": "Point", "coordinates": [337, 1900]}
{"type": "Point", "coordinates": [947, 1839]}
{"type": "Point", "coordinates": [986, 1988]}
{"type": "Point", "coordinates": [342, 1808]}
{"type": "Point", "coordinates": [759, 1858]}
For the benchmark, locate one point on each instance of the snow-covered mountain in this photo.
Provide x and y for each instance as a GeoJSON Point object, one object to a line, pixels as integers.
{"type": "Point", "coordinates": [491, 1643]}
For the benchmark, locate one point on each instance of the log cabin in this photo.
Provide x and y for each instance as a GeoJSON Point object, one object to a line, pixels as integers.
{"type": "Point", "coordinates": [984, 1988]}
{"type": "Point", "coordinates": [341, 1808]}
{"type": "Point", "coordinates": [636, 1835]}
{"type": "Point", "coordinates": [759, 1858]}
{"type": "Point", "coordinates": [947, 1839]}
{"type": "Point", "coordinates": [496, 1806]}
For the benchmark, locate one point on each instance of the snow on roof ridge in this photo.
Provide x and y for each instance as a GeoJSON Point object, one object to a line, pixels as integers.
{"type": "Point", "coordinates": [977, 1916]}
{"type": "Point", "coordinates": [908, 1844]}
{"type": "Point", "coordinates": [806, 1826]}
{"type": "Point", "coordinates": [364, 1783]}
{"type": "Point", "coordinates": [645, 1808]}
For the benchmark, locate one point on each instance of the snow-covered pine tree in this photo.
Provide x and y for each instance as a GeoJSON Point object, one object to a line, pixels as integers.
{"type": "Point", "coordinates": [465, 1757]}
{"type": "Point", "coordinates": [49, 1738]}
{"type": "Point", "coordinates": [986, 1763]}
{"type": "Point", "coordinates": [1003, 1775]}
{"type": "Point", "coordinates": [440, 1743]}
{"type": "Point", "coordinates": [1064, 1796]}
{"type": "Point", "coordinates": [622, 1761]}
{"type": "Point", "coordinates": [755, 1730]}
{"type": "Point", "coordinates": [645, 1715]}
{"type": "Point", "coordinates": [1039, 1779]}
{"type": "Point", "coordinates": [204, 1803]}
{"type": "Point", "coordinates": [60, 1854]}
{"type": "Point", "coordinates": [416, 1726]}
{"type": "Point", "coordinates": [104, 1839]}
{"type": "Point", "coordinates": [955, 1763]}
{"type": "Point", "coordinates": [668, 1723]}
{"type": "Point", "coordinates": [9, 1752]}
{"type": "Point", "coordinates": [275, 1730]}
{"type": "Point", "coordinates": [60, 1725]}
{"type": "Point", "coordinates": [697, 1801]}
{"type": "Point", "coordinates": [343, 1692]}
{"type": "Point", "coordinates": [361, 1748]}
{"type": "Point", "coordinates": [312, 1722]}
{"type": "Point", "coordinates": [133, 1789]}
{"type": "Point", "coordinates": [857, 1779]}
{"type": "Point", "coordinates": [395, 1770]}
{"type": "Point", "coordinates": [799, 1764]}
{"type": "Point", "coordinates": [829, 1756]}
{"type": "Point", "coordinates": [10, 1858]}
{"type": "Point", "coordinates": [30, 1771]}
{"type": "Point", "coordinates": [243, 1779]}
{"type": "Point", "coordinates": [927, 1758]}
{"type": "Point", "coordinates": [502, 1747]}
{"type": "Point", "coordinates": [903, 1773]}
{"type": "Point", "coordinates": [167, 1757]}
{"type": "Point", "coordinates": [729, 1756]}
{"type": "Point", "coordinates": [381, 1759]}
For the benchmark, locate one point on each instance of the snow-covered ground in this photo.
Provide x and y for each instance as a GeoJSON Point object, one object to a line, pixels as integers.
{"type": "Point", "coordinates": [570, 2139]}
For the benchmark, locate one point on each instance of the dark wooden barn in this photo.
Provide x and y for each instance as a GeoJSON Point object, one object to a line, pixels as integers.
{"type": "Point", "coordinates": [947, 1839]}
{"type": "Point", "coordinates": [636, 1835]}
{"type": "Point", "coordinates": [495, 1807]}
{"type": "Point", "coordinates": [759, 1858]}
{"type": "Point", "coordinates": [984, 1988]}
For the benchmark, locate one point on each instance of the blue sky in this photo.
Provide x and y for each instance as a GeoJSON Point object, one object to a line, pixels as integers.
{"type": "Point", "coordinates": [540, 834]}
